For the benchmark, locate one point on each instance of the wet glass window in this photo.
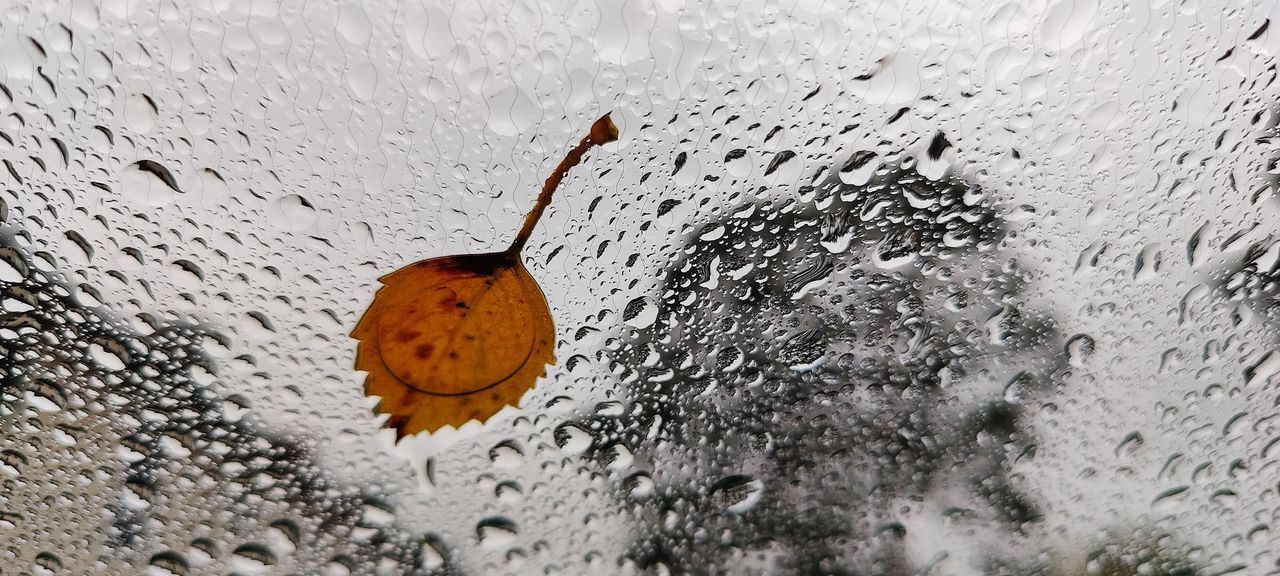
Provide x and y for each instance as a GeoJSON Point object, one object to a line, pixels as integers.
{"type": "Point", "coordinates": [586, 288]}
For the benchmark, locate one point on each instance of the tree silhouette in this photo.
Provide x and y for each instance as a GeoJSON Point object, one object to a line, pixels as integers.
{"type": "Point", "coordinates": [820, 362]}
{"type": "Point", "coordinates": [190, 478]}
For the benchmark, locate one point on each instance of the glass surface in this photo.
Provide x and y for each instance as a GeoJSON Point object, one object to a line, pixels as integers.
{"type": "Point", "coordinates": [869, 288]}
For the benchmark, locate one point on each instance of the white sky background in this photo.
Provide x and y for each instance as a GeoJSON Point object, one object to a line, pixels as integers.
{"type": "Point", "coordinates": [417, 130]}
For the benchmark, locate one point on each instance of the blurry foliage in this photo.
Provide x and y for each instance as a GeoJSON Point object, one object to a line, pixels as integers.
{"type": "Point", "coordinates": [85, 396]}
{"type": "Point", "coordinates": [814, 341]}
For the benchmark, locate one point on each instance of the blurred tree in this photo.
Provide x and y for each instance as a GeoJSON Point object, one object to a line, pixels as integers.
{"type": "Point", "coordinates": [173, 472]}
{"type": "Point", "coordinates": [823, 368]}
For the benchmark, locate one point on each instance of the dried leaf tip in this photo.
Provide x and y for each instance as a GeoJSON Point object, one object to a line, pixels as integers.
{"type": "Point", "coordinates": [604, 131]}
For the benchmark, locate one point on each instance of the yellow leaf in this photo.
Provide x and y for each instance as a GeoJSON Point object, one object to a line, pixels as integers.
{"type": "Point", "coordinates": [453, 339]}
{"type": "Point", "coordinates": [457, 338]}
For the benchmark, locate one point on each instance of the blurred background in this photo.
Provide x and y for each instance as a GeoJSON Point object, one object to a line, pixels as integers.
{"type": "Point", "coordinates": [864, 288]}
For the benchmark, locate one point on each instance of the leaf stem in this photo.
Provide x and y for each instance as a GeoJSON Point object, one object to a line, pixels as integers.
{"type": "Point", "coordinates": [602, 132]}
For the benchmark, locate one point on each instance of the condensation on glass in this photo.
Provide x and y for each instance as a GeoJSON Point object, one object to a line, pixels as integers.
{"type": "Point", "coordinates": [874, 288]}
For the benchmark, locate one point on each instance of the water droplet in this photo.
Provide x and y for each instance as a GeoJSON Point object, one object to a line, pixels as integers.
{"type": "Point", "coordinates": [497, 533]}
